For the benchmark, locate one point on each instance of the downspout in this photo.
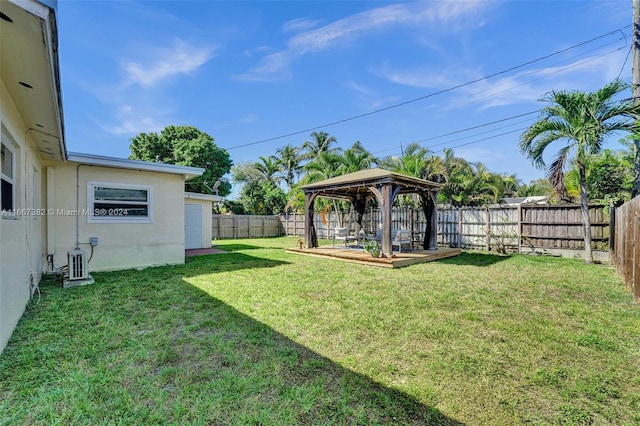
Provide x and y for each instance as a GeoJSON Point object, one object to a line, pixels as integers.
{"type": "Point", "coordinates": [78, 205]}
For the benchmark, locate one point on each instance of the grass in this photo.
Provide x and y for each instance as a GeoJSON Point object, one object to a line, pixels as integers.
{"type": "Point", "coordinates": [259, 336]}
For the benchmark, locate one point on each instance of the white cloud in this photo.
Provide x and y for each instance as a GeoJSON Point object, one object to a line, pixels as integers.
{"type": "Point", "coordinates": [297, 25]}
{"type": "Point", "coordinates": [249, 118]}
{"type": "Point", "coordinates": [359, 25]}
{"type": "Point", "coordinates": [272, 68]}
{"type": "Point", "coordinates": [181, 58]}
{"type": "Point", "coordinates": [358, 88]}
{"type": "Point", "coordinates": [529, 86]}
{"type": "Point", "coordinates": [524, 86]}
{"type": "Point", "coordinates": [258, 50]}
{"type": "Point", "coordinates": [422, 77]}
{"type": "Point", "coordinates": [132, 121]}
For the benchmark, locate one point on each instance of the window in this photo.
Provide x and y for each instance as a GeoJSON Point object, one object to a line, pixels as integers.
{"type": "Point", "coordinates": [111, 202]}
{"type": "Point", "coordinates": [7, 175]}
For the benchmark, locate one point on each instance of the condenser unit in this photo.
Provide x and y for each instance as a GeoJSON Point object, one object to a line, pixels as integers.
{"type": "Point", "coordinates": [78, 269]}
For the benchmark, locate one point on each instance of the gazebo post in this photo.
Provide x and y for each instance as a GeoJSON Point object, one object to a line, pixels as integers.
{"type": "Point", "coordinates": [433, 238]}
{"type": "Point", "coordinates": [430, 209]}
{"type": "Point", "coordinates": [310, 236]}
{"type": "Point", "coordinates": [387, 203]}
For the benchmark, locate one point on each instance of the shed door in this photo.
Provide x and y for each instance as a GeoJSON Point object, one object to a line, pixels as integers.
{"type": "Point", "coordinates": [192, 226]}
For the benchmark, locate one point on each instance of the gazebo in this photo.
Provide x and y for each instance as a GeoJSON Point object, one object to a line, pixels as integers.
{"type": "Point", "coordinates": [385, 185]}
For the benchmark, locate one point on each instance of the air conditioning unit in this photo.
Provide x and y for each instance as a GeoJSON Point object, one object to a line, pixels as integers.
{"type": "Point", "coordinates": [78, 269]}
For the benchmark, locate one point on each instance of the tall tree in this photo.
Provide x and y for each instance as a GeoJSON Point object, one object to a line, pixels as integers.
{"type": "Point", "coordinates": [320, 142]}
{"type": "Point", "coordinates": [290, 160]}
{"type": "Point", "coordinates": [186, 146]}
{"type": "Point", "coordinates": [260, 193]}
{"type": "Point", "coordinates": [412, 162]}
{"type": "Point", "coordinates": [326, 165]}
{"type": "Point", "coordinates": [355, 159]}
{"type": "Point", "coordinates": [268, 169]}
{"type": "Point", "coordinates": [535, 187]}
{"type": "Point", "coordinates": [582, 121]}
{"type": "Point", "coordinates": [609, 177]}
{"type": "Point", "coordinates": [455, 176]}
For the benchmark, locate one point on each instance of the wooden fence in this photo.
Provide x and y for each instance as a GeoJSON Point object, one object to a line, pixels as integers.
{"type": "Point", "coordinates": [626, 245]}
{"type": "Point", "coordinates": [245, 226]}
{"type": "Point", "coordinates": [555, 229]}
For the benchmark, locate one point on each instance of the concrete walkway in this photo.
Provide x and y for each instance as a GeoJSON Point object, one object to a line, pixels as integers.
{"type": "Point", "coordinates": [200, 252]}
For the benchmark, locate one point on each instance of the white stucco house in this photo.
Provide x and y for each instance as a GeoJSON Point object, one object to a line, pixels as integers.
{"type": "Point", "coordinates": [121, 213]}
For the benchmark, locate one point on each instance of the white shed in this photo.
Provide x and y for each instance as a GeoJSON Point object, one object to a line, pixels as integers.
{"type": "Point", "coordinates": [197, 219]}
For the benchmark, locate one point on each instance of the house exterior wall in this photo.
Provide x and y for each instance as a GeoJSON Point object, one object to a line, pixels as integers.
{"type": "Point", "coordinates": [121, 245]}
{"type": "Point", "coordinates": [207, 219]}
{"type": "Point", "coordinates": [21, 235]}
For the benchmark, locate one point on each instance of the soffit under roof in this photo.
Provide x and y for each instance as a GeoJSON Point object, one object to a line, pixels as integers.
{"type": "Point", "coordinates": [28, 54]}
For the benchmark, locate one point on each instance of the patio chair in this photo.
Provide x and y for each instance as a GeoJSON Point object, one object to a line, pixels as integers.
{"type": "Point", "coordinates": [342, 234]}
{"type": "Point", "coordinates": [416, 240]}
{"type": "Point", "coordinates": [378, 236]}
{"type": "Point", "coordinates": [402, 238]}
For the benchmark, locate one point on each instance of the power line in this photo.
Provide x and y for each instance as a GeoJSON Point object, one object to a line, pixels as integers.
{"type": "Point", "coordinates": [508, 118]}
{"type": "Point", "coordinates": [465, 130]}
{"type": "Point", "coordinates": [628, 120]}
{"type": "Point", "coordinates": [558, 71]}
{"type": "Point", "coordinates": [487, 138]}
{"type": "Point", "coordinates": [450, 89]}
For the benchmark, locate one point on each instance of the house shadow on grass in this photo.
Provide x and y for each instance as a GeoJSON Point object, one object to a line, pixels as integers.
{"type": "Point", "coordinates": [227, 262]}
{"type": "Point", "coordinates": [168, 352]}
{"type": "Point", "coordinates": [237, 247]}
{"type": "Point", "coordinates": [474, 259]}
{"type": "Point", "coordinates": [290, 384]}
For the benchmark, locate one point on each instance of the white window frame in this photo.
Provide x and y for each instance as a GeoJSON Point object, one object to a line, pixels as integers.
{"type": "Point", "coordinates": [91, 218]}
{"type": "Point", "coordinates": [10, 179]}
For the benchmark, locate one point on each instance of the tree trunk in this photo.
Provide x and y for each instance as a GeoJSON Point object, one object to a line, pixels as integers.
{"type": "Point", "coordinates": [586, 221]}
{"type": "Point", "coordinates": [338, 213]}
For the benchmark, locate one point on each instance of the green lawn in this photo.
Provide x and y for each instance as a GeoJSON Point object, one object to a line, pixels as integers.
{"type": "Point", "coordinates": [259, 336]}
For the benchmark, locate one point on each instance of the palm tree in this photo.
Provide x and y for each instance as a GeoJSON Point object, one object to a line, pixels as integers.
{"type": "Point", "coordinates": [456, 179]}
{"type": "Point", "coordinates": [326, 165]}
{"type": "Point", "coordinates": [355, 159]}
{"type": "Point", "coordinates": [582, 120]}
{"type": "Point", "coordinates": [269, 169]}
{"type": "Point", "coordinates": [412, 162]}
{"type": "Point", "coordinates": [289, 158]}
{"type": "Point", "coordinates": [320, 142]}
{"type": "Point", "coordinates": [535, 187]}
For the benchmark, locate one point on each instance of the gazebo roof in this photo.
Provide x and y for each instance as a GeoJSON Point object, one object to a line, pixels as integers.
{"type": "Point", "coordinates": [351, 184]}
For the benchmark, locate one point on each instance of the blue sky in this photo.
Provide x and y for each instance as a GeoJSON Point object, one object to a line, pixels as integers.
{"type": "Point", "coordinates": [246, 71]}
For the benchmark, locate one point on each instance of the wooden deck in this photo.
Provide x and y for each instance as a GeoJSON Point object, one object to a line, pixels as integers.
{"type": "Point", "coordinates": [360, 256]}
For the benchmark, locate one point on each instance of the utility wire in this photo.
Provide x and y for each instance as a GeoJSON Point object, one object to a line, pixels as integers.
{"type": "Point", "coordinates": [505, 119]}
{"type": "Point", "coordinates": [625, 61]}
{"type": "Point", "coordinates": [627, 121]}
{"type": "Point", "coordinates": [450, 89]}
{"type": "Point", "coordinates": [558, 71]}
{"type": "Point", "coordinates": [466, 130]}
{"type": "Point", "coordinates": [484, 139]}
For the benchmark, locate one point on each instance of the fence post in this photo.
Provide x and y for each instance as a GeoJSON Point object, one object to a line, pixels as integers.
{"type": "Point", "coordinates": [519, 228]}
{"type": "Point", "coordinates": [488, 228]}
{"type": "Point", "coordinates": [235, 227]}
{"type": "Point", "coordinates": [459, 227]}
